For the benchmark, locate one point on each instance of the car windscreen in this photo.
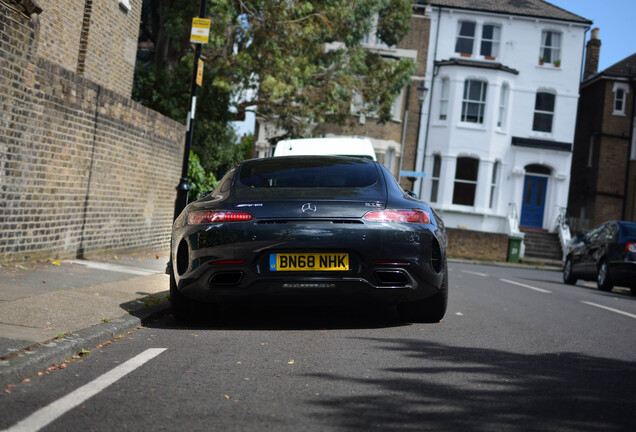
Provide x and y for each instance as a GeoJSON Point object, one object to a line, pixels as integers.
{"type": "Point", "coordinates": [309, 176]}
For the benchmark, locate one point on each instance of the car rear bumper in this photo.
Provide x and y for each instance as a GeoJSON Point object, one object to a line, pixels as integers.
{"type": "Point", "coordinates": [623, 273]}
{"type": "Point", "coordinates": [226, 263]}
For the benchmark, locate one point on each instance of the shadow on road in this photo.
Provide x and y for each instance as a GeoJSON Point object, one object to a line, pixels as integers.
{"type": "Point", "coordinates": [479, 389]}
{"type": "Point", "coordinates": [294, 316]}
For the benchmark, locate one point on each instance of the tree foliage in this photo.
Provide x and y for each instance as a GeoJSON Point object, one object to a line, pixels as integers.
{"type": "Point", "coordinates": [295, 63]}
{"type": "Point", "coordinates": [200, 181]}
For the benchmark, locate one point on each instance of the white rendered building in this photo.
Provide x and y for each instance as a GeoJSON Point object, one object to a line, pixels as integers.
{"type": "Point", "coordinates": [497, 127]}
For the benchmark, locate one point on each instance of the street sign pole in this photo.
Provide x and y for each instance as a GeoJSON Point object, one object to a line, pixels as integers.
{"type": "Point", "coordinates": [183, 187]}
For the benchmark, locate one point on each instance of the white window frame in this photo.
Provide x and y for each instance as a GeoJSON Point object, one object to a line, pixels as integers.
{"type": "Point", "coordinates": [435, 177]}
{"type": "Point", "coordinates": [465, 181]}
{"type": "Point", "coordinates": [371, 39]}
{"type": "Point", "coordinates": [396, 108]}
{"type": "Point", "coordinates": [619, 88]}
{"type": "Point", "coordinates": [495, 41]}
{"type": "Point", "coordinates": [481, 103]}
{"type": "Point", "coordinates": [494, 180]}
{"type": "Point", "coordinates": [554, 48]}
{"type": "Point", "coordinates": [590, 153]}
{"type": "Point", "coordinates": [633, 152]}
{"type": "Point", "coordinates": [444, 99]}
{"type": "Point", "coordinates": [460, 36]}
{"type": "Point", "coordinates": [502, 112]}
{"type": "Point", "coordinates": [552, 113]}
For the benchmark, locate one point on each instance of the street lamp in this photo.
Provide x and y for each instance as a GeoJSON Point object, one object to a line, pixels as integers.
{"type": "Point", "coordinates": [183, 188]}
{"type": "Point", "coordinates": [421, 94]}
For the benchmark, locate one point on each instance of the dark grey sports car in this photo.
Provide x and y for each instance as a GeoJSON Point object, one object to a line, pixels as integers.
{"type": "Point", "coordinates": [310, 225]}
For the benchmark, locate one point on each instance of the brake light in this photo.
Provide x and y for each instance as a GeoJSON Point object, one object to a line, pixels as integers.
{"type": "Point", "coordinates": [412, 215]}
{"type": "Point", "coordinates": [199, 217]}
{"type": "Point", "coordinates": [631, 247]}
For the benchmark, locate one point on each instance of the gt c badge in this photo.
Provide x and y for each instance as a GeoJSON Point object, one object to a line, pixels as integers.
{"type": "Point", "coordinates": [309, 208]}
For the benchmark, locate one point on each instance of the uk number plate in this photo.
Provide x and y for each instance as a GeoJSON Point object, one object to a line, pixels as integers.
{"type": "Point", "coordinates": [309, 262]}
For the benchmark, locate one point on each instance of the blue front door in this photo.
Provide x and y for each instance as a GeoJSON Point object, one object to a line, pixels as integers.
{"type": "Point", "coordinates": [533, 201]}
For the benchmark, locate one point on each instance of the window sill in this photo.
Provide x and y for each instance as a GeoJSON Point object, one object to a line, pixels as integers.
{"type": "Point", "coordinates": [548, 66]}
{"type": "Point", "coordinates": [472, 126]}
{"type": "Point", "coordinates": [468, 210]}
{"type": "Point", "coordinates": [542, 135]}
{"type": "Point", "coordinates": [619, 114]}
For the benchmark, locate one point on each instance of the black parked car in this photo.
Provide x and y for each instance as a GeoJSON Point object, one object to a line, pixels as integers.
{"type": "Point", "coordinates": [607, 254]}
{"type": "Point", "coordinates": [310, 225]}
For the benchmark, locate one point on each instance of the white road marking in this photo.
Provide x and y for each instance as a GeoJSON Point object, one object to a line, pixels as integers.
{"type": "Point", "coordinates": [51, 412]}
{"type": "Point", "coordinates": [526, 286]}
{"type": "Point", "coordinates": [609, 309]}
{"type": "Point", "coordinates": [475, 273]}
{"type": "Point", "coordinates": [114, 267]}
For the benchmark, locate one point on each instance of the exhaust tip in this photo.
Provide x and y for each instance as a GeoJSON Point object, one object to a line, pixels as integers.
{"type": "Point", "coordinates": [392, 277]}
{"type": "Point", "coordinates": [227, 278]}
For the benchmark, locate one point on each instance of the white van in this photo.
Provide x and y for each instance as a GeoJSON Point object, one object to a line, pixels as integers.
{"type": "Point", "coordinates": [336, 146]}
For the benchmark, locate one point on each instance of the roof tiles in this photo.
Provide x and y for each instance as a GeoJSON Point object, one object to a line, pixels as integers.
{"type": "Point", "coordinates": [530, 8]}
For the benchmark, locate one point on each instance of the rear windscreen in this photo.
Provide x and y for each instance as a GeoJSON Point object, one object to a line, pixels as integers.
{"type": "Point", "coordinates": [628, 229]}
{"type": "Point", "coordinates": [309, 177]}
{"type": "Point", "coordinates": [308, 172]}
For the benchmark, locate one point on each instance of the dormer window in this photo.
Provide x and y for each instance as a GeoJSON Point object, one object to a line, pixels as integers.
{"type": "Point", "coordinates": [465, 38]}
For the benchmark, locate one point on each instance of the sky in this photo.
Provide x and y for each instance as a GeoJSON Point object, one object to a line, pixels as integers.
{"type": "Point", "coordinates": [614, 18]}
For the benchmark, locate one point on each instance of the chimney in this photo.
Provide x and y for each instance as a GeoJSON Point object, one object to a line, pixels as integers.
{"type": "Point", "coordinates": [592, 54]}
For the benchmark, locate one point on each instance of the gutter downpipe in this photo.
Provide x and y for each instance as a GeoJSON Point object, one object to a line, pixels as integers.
{"type": "Point", "coordinates": [632, 79]}
{"type": "Point", "coordinates": [430, 99]}
{"type": "Point", "coordinates": [404, 123]}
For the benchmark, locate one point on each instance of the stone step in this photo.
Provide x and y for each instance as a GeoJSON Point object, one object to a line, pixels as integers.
{"type": "Point", "coordinates": [543, 245]}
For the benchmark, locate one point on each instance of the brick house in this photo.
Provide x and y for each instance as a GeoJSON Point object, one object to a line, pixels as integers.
{"type": "Point", "coordinates": [95, 39]}
{"type": "Point", "coordinates": [603, 179]}
{"type": "Point", "coordinates": [500, 118]}
{"type": "Point", "coordinates": [394, 141]}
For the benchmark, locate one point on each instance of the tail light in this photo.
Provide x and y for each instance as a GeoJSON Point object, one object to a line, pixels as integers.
{"type": "Point", "coordinates": [218, 216]}
{"type": "Point", "coordinates": [631, 247]}
{"type": "Point", "coordinates": [412, 215]}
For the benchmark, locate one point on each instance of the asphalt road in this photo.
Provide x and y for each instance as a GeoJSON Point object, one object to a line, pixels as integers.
{"type": "Point", "coordinates": [518, 350]}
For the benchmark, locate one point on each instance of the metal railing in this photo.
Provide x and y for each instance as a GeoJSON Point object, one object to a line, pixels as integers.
{"type": "Point", "coordinates": [563, 230]}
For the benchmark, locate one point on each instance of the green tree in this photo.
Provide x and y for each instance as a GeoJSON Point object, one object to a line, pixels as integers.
{"type": "Point", "coordinates": [296, 63]}
{"type": "Point", "coordinates": [200, 182]}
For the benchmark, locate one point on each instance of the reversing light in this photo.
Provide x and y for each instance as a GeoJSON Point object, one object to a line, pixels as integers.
{"type": "Point", "coordinates": [218, 216]}
{"type": "Point", "coordinates": [631, 247]}
{"type": "Point", "coordinates": [412, 215]}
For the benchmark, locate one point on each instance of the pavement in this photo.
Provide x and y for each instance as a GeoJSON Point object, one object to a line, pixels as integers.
{"type": "Point", "coordinates": [53, 310]}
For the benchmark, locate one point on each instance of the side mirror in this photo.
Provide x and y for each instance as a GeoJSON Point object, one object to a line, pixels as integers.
{"type": "Point", "coordinates": [411, 194]}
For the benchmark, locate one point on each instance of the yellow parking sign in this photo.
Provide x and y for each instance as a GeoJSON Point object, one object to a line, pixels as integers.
{"type": "Point", "coordinates": [200, 73]}
{"type": "Point", "coordinates": [200, 32]}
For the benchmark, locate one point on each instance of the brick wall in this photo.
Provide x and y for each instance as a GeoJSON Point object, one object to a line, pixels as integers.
{"type": "Point", "coordinates": [477, 245]}
{"type": "Point", "coordinates": [82, 168]}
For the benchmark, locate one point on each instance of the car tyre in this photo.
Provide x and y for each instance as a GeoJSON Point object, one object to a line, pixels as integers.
{"type": "Point", "coordinates": [429, 310]}
{"type": "Point", "coordinates": [603, 279]}
{"type": "Point", "coordinates": [183, 308]}
{"type": "Point", "coordinates": [568, 277]}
